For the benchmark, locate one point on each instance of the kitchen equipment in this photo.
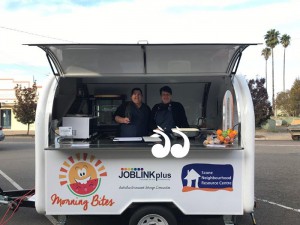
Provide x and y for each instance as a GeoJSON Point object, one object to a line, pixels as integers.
{"type": "Point", "coordinates": [190, 132]}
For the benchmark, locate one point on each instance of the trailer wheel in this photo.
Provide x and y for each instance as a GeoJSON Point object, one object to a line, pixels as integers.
{"type": "Point", "coordinates": [153, 215]}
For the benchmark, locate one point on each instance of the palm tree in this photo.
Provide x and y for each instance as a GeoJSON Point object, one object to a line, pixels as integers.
{"type": "Point", "coordinates": [272, 39]}
{"type": "Point", "coordinates": [285, 41]}
{"type": "Point", "coordinates": [266, 52]}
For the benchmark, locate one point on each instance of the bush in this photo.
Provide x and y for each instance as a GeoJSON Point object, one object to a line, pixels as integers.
{"type": "Point", "coordinates": [262, 106]}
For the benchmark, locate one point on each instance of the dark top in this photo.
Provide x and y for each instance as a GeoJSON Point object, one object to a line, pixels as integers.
{"type": "Point", "coordinates": [168, 116]}
{"type": "Point", "coordinates": [139, 119]}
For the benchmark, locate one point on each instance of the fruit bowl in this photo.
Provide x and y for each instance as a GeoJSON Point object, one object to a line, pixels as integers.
{"type": "Point", "coordinates": [221, 137]}
{"type": "Point", "coordinates": [227, 136]}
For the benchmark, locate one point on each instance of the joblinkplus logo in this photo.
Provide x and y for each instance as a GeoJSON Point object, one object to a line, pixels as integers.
{"type": "Point", "coordinates": [142, 174]}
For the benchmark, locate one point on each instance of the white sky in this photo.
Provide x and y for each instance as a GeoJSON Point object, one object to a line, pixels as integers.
{"type": "Point", "coordinates": [157, 21]}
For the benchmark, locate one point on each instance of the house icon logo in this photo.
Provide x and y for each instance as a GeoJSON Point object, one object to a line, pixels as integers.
{"type": "Point", "coordinates": [192, 176]}
{"type": "Point", "coordinates": [207, 177]}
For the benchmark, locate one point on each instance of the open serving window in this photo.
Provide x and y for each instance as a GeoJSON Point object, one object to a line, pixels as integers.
{"type": "Point", "coordinates": [96, 78]}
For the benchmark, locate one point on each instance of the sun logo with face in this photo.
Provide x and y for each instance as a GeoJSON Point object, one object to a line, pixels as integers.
{"type": "Point", "coordinates": [82, 174]}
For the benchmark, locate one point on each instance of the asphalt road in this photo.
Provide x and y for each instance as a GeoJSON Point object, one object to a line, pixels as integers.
{"type": "Point", "coordinates": [277, 184]}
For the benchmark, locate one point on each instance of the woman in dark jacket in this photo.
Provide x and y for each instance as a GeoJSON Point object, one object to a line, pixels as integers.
{"type": "Point", "coordinates": [134, 117]}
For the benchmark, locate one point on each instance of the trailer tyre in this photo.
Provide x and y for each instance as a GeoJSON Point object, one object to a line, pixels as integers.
{"type": "Point", "coordinates": [153, 215]}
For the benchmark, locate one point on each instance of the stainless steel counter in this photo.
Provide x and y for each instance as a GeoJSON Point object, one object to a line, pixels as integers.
{"type": "Point", "coordinates": [109, 144]}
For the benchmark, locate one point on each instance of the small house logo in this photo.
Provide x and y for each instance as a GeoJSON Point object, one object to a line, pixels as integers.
{"type": "Point", "coordinates": [192, 176]}
{"type": "Point", "coordinates": [82, 174]}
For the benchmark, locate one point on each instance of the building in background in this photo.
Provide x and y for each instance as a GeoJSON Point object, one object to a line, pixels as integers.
{"type": "Point", "coordinates": [7, 101]}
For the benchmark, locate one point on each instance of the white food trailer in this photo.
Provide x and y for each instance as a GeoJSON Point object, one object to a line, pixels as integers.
{"type": "Point", "coordinates": [106, 175]}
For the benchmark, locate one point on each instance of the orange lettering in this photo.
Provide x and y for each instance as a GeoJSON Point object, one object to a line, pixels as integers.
{"type": "Point", "coordinates": [101, 201]}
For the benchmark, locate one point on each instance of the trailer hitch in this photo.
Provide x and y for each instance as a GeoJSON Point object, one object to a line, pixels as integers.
{"type": "Point", "coordinates": [17, 198]}
{"type": "Point", "coordinates": [3, 199]}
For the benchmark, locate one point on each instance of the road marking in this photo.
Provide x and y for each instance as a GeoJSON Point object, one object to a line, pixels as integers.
{"type": "Point", "coordinates": [16, 185]}
{"type": "Point", "coordinates": [282, 206]}
{"type": "Point", "coordinates": [18, 142]}
{"type": "Point", "coordinates": [278, 145]}
{"type": "Point", "coordinates": [11, 180]}
{"type": "Point", "coordinates": [52, 219]}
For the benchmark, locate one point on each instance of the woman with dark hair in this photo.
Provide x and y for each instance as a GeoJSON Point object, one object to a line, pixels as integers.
{"type": "Point", "coordinates": [134, 116]}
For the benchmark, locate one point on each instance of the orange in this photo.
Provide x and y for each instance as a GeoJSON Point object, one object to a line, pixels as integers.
{"type": "Point", "coordinates": [235, 132]}
{"type": "Point", "coordinates": [221, 138]}
{"type": "Point", "coordinates": [231, 134]}
{"type": "Point", "coordinates": [219, 132]}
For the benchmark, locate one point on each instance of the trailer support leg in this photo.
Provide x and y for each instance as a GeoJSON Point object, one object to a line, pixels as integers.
{"type": "Point", "coordinates": [253, 218]}
{"type": "Point", "coordinates": [61, 220]}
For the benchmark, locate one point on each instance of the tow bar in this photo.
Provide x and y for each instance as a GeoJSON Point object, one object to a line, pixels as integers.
{"type": "Point", "coordinates": [17, 198]}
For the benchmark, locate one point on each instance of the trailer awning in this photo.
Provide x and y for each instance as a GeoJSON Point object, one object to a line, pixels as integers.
{"type": "Point", "coordinates": [143, 59]}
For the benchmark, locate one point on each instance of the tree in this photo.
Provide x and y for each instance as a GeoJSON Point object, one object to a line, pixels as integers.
{"type": "Point", "coordinates": [295, 97]}
{"type": "Point", "coordinates": [283, 103]}
{"type": "Point", "coordinates": [262, 106]}
{"type": "Point", "coordinates": [25, 105]}
{"type": "Point", "coordinates": [266, 52]}
{"type": "Point", "coordinates": [285, 41]}
{"type": "Point", "coordinates": [272, 39]}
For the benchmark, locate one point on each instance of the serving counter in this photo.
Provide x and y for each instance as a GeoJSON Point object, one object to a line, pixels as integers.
{"type": "Point", "coordinates": [110, 144]}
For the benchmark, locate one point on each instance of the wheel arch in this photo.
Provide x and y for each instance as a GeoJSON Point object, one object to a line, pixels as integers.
{"type": "Point", "coordinates": [170, 205]}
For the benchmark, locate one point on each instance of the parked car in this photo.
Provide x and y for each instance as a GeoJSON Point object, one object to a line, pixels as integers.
{"type": "Point", "coordinates": [2, 136]}
{"type": "Point", "coordinates": [294, 129]}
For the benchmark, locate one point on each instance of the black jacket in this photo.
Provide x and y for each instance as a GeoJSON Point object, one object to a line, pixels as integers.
{"type": "Point", "coordinates": [177, 112]}
{"type": "Point", "coordinates": [140, 120]}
